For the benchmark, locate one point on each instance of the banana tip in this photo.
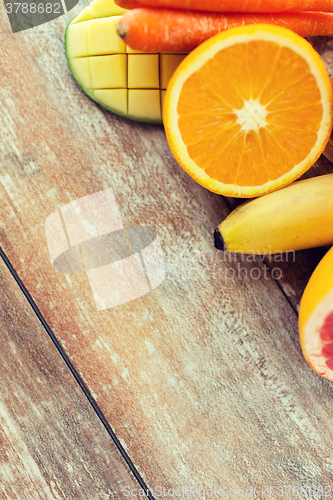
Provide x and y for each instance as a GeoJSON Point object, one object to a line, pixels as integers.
{"type": "Point", "coordinates": [218, 240]}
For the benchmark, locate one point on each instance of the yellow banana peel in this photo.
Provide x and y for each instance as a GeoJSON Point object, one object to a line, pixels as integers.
{"type": "Point", "coordinates": [294, 218]}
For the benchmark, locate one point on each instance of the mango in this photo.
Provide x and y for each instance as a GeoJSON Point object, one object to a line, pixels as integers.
{"type": "Point", "coordinates": [124, 81]}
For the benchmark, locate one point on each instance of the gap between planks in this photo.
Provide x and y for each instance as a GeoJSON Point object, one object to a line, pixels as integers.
{"type": "Point", "coordinates": [75, 374]}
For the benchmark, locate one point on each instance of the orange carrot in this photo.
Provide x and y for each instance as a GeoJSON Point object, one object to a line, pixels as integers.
{"type": "Point", "coordinates": [233, 5]}
{"type": "Point", "coordinates": [163, 30]}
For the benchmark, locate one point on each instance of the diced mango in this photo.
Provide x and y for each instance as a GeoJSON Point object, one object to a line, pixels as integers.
{"type": "Point", "coordinates": [105, 8]}
{"type": "Point", "coordinates": [81, 72]}
{"type": "Point", "coordinates": [77, 36]}
{"type": "Point", "coordinates": [85, 15]}
{"type": "Point", "coordinates": [102, 37]}
{"type": "Point", "coordinates": [168, 65]}
{"type": "Point", "coordinates": [125, 81]}
{"type": "Point", "coordinates": [133, 51]}
{"type": "Point", "coordinates": [108, 72]}
{"type": "Point", "coordinates": [163, 92]}
{"type": "Point", "coordinates": [143, 71]}
{"type": "Point", "coordinates": [113, 99]}
{"type": "Point", "coordinates": [98, 9]}
{"type": "Point", "coordinates": [145, 104]}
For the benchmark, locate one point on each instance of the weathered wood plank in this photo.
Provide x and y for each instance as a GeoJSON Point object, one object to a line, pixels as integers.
{"type": "Point", "coordinates": [202, 379]}
{"type": "Point", "coordinates": [53, 445]}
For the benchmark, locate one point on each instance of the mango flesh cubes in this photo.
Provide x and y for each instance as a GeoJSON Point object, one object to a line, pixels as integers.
{"type": "Point", "coordinates": [124, 81]}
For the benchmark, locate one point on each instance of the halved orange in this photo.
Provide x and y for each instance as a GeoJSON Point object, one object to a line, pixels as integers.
{"type": "Point", "coordinates": [249, 110]}
{"type": "Point", "coordinates": [316, 318]}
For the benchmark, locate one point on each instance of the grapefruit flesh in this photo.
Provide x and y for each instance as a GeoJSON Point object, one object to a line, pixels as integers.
{"type": "Point", "coordinates": [316, 318]}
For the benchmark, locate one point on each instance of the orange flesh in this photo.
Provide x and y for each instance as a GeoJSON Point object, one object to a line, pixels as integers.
{"type": "Point", "coordinates": [211, 130]}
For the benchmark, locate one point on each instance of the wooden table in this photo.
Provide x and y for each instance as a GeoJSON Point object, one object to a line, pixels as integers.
{"type": "Point", "coordinates": [200, 383]}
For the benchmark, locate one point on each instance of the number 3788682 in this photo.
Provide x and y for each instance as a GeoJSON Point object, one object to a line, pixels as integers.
{"type": "Point", "coordinates": [33, 8]}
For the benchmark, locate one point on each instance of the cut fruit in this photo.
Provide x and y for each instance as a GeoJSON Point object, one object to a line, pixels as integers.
{"type": "Point", "coordinates": [144, 104]}
{"type": "Point", "coordinates": [328, 151]}
{"type": "Point", "coordinates": [127, 82]}
{"type": "Point", "coordinates": [249, 111]}
{"type": "Point", "coordinates": [168, 65]}
{"type": "Point", "coordinates": [316, 318]}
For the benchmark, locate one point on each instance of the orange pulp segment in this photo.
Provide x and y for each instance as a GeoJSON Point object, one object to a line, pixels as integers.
{"type": "Point", "coordinates": [249, 111]}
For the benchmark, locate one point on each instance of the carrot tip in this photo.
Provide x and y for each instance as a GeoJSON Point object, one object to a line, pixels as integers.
{"type": "Point", "coordinates": [121, 30]}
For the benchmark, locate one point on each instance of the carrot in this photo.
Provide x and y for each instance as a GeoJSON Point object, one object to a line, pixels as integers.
{"type": "Point", "coordinates": [162, 30]}
{"type": "Point", "coordinates": [234, 5]}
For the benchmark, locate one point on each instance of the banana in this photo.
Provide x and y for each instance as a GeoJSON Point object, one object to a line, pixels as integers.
{"type": "Point", "coordinates": [294, 218]}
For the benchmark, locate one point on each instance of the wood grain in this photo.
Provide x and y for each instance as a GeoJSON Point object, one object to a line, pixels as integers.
{"type": "Point", "coordinates": [202, 380]}
{"type": "Point", "coordinates": [52, 444]}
